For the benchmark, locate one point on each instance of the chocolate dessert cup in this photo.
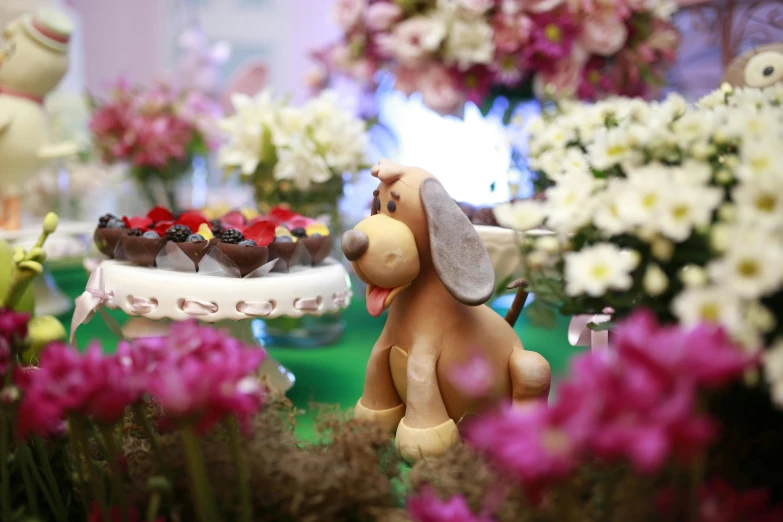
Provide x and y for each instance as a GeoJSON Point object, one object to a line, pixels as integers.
{"type": "Point", "coordinates": [106, 239]}
{"type": "Point", "coordinates": [196, 250]}
{"type": "Point", "coordinates": [142, 251]}
{"type": "Point", "coordinates": [318, 247]}
{"type": "Point", "coordinates": [287, 254]}
{"type": "Point", "coordinates": [246, 258]}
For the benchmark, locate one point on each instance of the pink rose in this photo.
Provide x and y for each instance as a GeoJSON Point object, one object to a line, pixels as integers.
{"type": "Point", "coordinates": [604, 33]}
{"type": "Point", "coordinates": [511, 32]}
{"type": "Point", "coordinates": [564, 79]}
{"type": "Point", "coordinates": [413, 39]}
{"type": "Point", "coordinates": [347, 13]}
{"type": "Point", "coordinates": [382, 15]}
{"type": "Point", "coordinates": [439, 91]}
{"type": "Point", "coordinates": [476, 6]}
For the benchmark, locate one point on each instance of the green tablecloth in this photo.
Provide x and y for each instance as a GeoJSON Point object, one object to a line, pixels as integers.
{"type": "Point", "coordinates": [332, 374]}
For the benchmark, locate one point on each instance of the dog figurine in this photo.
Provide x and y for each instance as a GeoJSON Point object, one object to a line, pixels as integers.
{"type": "Point", "coordinates": [423, 260]}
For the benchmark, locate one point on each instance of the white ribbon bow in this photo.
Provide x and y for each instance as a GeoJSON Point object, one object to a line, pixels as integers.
{"type": "Point", "coordinates": [89, 302]}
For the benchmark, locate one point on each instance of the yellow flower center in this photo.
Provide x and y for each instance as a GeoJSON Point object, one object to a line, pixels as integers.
{"type": "Point", "coordinates": [600, 271]}
{"type": "Point", "coordinates": [748, 268]}
{"type": "Point", "coordinates": [649, 200]}
{"type": "Point", "coordinates": [760, 163]}
{"type": "Point", "coordinates": [555, 442]}
{"type": "Point", "coordinates": [680, 212]}
{"type": "Point", "coordinates": [766, 202]}
{"type": "Point", "coordinates": [710, 312]}
{"type": "Point", "coordinates": [593, 77]}
{"type": "Point", "coordinates": [553, 33]}
{"type": "Point", "coordinates": [615, 150]}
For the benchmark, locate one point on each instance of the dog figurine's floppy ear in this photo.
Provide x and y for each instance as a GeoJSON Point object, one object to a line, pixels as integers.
{"type": "Point", "coordinates": [459, 256]}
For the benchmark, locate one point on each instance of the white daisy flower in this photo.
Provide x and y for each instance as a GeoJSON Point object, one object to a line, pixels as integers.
{"type": "Point", "coordinates": [773, 371]}
{"type": "Point", "coordinates": [597, 269]}
{"type": "Point", "coordinates": [749, 269]}
{"type": "Point", "coordinates": [712, 304]}
{"type": "Point", "coordinates": [760, 202]}
{"type": "Point", "coordinates": [520, 215]}
{"type": "Point", "coordinates": [760, 157]}
{"type": "Point", "coordinates": [570, 203]}
{"type": "Point", "coordinates": [612, 148]}
{"type": "Point", "coordinates": [687, 208]}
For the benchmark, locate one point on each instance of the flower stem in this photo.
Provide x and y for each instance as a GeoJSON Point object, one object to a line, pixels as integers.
{"type": "Point", "coordinates": [5, 481]}
{"type": "Point", "coordinates": [153, 507]}
{"type": "Point", "coordinates": [29, 487]}
{"type": "Point", "coordinates": [77, 469]}
{"type": "Point", "coordinates": [40, 448]}
{"type": "Point", "coordinates": [79, 432]}
{"type": "Point", "coordinates": [28, 457]}
{"type": "Point", "coordinates": [243, 481]}
{"type": "Point", "coordinates": [112, 456]}
{"type": "Point", "coordinates": [142, 419]}
{"type": "Point", "coordinates": [205, 501]}
{"type": "Point", "coordinates": [696, 478]}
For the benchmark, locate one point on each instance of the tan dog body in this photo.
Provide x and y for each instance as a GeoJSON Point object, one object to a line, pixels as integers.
{"type": "Point", "coordinates": [423, 260]}
{"type": "Point", "coordinates": [760, 67]}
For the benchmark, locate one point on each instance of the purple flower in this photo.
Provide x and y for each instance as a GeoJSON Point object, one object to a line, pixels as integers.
{"type": "Point", "coordinates": [427, 507]}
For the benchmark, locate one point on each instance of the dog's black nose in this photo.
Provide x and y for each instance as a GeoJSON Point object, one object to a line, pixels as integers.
{"type": "Point", "coordinates": [354, 244]}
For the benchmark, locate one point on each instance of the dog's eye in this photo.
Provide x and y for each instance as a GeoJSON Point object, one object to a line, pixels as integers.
{"type": "Point", "coordinates": [376, 206]}
{"type": "Point", "coordinates": [391, 206]}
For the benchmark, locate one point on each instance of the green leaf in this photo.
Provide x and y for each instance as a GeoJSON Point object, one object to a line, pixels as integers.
{"type": "Point", "coordinates": [540, 314]}
{"type": "Point", "coordinates": [600, 327]}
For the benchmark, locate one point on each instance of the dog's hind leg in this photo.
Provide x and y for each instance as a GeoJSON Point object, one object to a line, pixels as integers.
{"type": "Point", "coordinates": [531, 376]}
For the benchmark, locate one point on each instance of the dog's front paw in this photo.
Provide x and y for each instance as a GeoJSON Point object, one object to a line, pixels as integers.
{"type": "Point", "coordinates": [416, 443]}
{"type": "Point", "coordinates": [387, 419]}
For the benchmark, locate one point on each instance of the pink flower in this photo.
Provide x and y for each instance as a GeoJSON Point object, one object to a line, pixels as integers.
{"type": "Point", "coordinates": [413, 40]}
{"type": "Point", "coordinates": [380, 16]}
{"type": "Point", "coordinates": [511, 31]}
{"type": "Point", "coordinates": [439, 90]}
{"type": "Point", "coordinates": [552, 39]}
{"type": "Point", "coordinates": [595, 83]}
{"type": "Point", "coordinates": [476, 82]}
{"type": "Point", "coordinates": [564, 79]}
{"type": "Point", "coordinates": [535, 445]}
{"type": "Point", "coordinates": [427, 507]}
{"type": "Point", "coordinates": [347, 13]}
{"type": "Point", "coordinates": [720, 502]}
{"type": "Point", "coordinates": [473, 377]}
{"type": "Point", "coordinates": [13, 325]}
{"type": "Point", "coordinates": [603, 33]}
{"type": "Point", "coordinates": [407, 80]}
{"type": "Point", "coordinates": [5, 355]}
{"type": "Point", "coordinates": [477, 7]}
{"type": "Point", "coordinates": [206, 377]}
{"type": "Point", "coordinates": [508, 69]}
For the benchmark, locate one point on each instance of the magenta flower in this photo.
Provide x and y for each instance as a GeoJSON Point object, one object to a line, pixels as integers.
{"type": "Point", "coordinates": [551, 40]}
{"type": "Point", "coordinates": [5, 355]}
{"type": "Point", "coordinates": [473, 377]}
{"type": "Point", "coordinates": [427, 507]}
{"type": "Point", "coordinates": [13, 325]}
{"type": "Point", "coordinates": [636, 402]}
{"type": "Point", "coordinates": [205, 377]}
{"type": "Point", "coordinates": [720, 502]}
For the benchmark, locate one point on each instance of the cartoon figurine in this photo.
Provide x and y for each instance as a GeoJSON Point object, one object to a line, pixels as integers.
{"type": "Point", "coordinates": [18, 270]}
{"type": "Point", "coordinates": [423, 260]}
{"type": "Point", "coordinates": [759, 67]}
{"type": "Point", "coordinates": [33, 60]}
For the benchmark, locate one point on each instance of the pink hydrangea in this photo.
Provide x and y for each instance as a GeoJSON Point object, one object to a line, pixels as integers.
{"type": "Point", "coordinates": [427, 507]}
{"type": "Point", "coordinates": [551, 40]}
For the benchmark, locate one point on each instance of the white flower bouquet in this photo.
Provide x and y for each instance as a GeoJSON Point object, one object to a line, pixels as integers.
{"type": "Point", "coordinates": [669, 206]}
{"type": "Point", "coordinates": [290, 154]}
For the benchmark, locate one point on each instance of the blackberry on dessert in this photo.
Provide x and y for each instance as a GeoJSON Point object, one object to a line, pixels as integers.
{"type": "Point", "coordinates": [299, 232]}
{"type": "Point", "coordinates": [109, 219]}
{"type": "Point", "coordinates": [232, 236]}
{"type": "Point", "coordinates": [178, 233]}
{"type": "Point", "coordinates": [136, 232]}
{"type": "Point", "coordinates": [217, 227]}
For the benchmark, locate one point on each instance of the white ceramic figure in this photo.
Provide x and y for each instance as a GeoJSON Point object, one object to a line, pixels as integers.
{"type": "Point", "coordinates": [33, 60]}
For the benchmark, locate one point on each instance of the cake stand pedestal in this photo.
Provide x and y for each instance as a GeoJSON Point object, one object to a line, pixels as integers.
{"type": "Point", "coordinates": [154, 298]}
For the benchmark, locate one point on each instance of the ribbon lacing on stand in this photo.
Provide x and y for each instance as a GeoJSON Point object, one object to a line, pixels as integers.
{"type": "Point", "coordinates": [579, 333]}
{"type": "Point", "coordinates": [141, 305]}
{"type": "Point", "coordinates": [308, 304]}
{"type": "Point", "coordinates": [257, 309]}
{"type": "Point", "coordinates": [197, 307]}
{"type": "Point", "coordinates": [90, 302]}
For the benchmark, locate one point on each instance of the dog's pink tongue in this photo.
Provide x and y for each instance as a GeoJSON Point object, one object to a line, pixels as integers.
{"type": "Point", "coordinates": [376, 300]}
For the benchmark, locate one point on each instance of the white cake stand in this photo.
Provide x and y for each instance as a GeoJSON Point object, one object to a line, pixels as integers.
{"type": "Point", "coordinates": [154, 297]}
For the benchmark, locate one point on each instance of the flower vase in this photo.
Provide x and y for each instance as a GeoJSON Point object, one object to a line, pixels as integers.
{"type": "Point", "coordinates": [320, 201]}
{"type": "Point", "coordinates": [158, 184]}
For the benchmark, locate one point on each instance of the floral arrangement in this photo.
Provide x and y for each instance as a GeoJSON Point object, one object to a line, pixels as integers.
{"type": "Point", "coordinates": [156, 132]}
{"type": "Point", "coordinates": [200, 61]}
{"type": "Point", "coordinates": [664, 205]}
{"type": "Point", "coordinates": [452, 51]}
{"type": "Point", "coordinates": [636, 433]}
{"type": "Point", "coordinates": [294, 155]}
